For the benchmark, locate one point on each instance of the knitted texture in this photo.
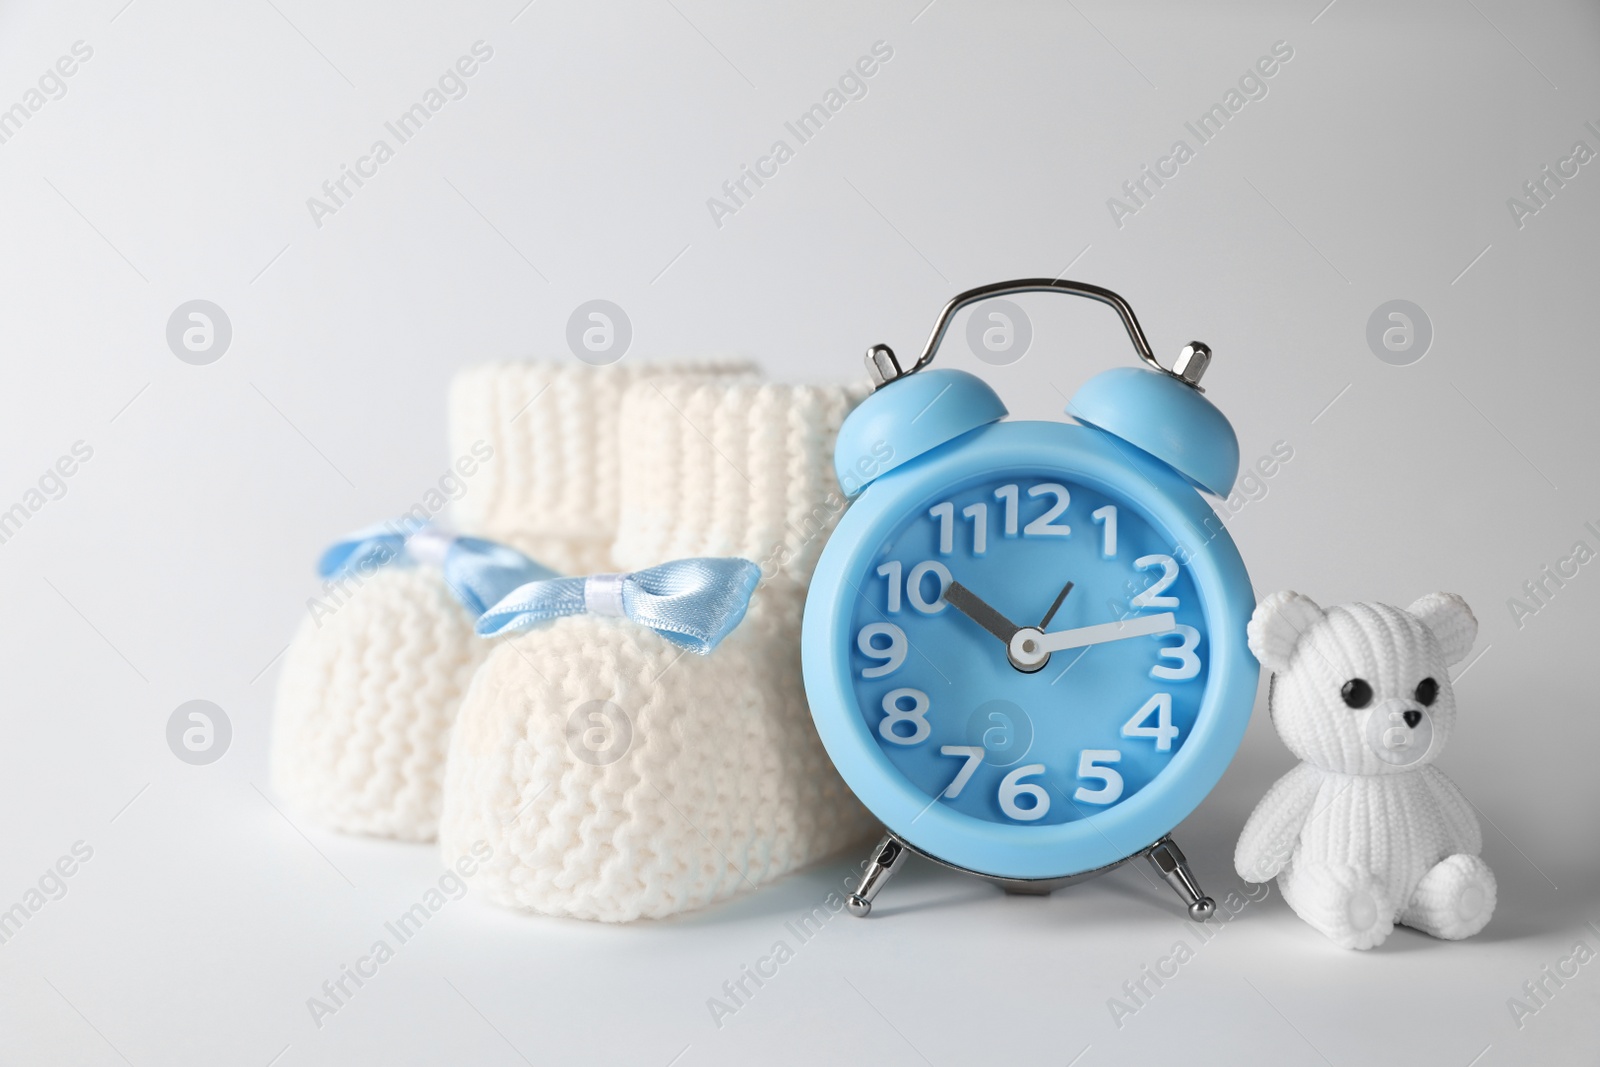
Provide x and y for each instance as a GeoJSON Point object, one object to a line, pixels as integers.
{"type": "Point", "coordinates": [366, 701]}
{"type": "Point", "coordinates": [1366, 831]}
{"type": "Point", "coordinates": [746, 470]}
{"type": "Point", "coordinates": [553, 488]}
{"type": "Point", "coordinates": [617, 777]}
{"type": "Point", "coordinates": [372, 682]}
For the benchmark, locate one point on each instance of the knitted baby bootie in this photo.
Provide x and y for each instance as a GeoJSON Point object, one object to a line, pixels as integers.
{"type": "Point", "coordinates": [554, 488]}
{"type": "Point", "coordinates": [373, 678]}
{"type": "Point", "coordinates": [616, 775]}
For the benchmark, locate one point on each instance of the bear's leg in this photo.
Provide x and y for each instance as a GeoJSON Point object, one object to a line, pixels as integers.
{"type": "Point", "coordinates": [1454, 899]}
{"type": "Point", "coordinates": [1345, 903]}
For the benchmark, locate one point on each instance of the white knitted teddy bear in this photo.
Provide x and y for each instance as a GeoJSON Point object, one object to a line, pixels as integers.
{"type": "Point", "coordinates": [1366, 831]}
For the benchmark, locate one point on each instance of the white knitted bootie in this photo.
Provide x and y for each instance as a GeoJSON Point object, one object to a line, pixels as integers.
{"type": "Point", "coordinates": [373, 678]}
{"type": "Point", "coordinates": [616, 775]}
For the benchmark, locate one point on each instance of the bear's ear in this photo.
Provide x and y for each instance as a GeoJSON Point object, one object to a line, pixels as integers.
{"type": "Point", "coordinates": [1276, 626]}
{"type": "Point", "coordinates": [1451, 622]}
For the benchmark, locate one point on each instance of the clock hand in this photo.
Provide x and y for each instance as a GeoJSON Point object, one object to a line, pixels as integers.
{"type": "Point", "coordinates": [1056, 606]}
{"type": "Point", "coordinates": [1029, 647]}
{"type": "Point", "coordinates": [973, 607]}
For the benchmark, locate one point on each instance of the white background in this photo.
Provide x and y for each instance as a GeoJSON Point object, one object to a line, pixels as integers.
{"type": "Point", "coordinates": [177, 166]}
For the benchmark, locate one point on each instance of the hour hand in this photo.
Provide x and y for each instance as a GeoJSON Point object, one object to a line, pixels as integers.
{"type": "Point", "coordinates": [975, 608]}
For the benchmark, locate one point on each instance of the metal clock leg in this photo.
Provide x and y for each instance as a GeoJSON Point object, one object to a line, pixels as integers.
{"type": "Point", "coordinates": [1168, 858]}
{"type": "Point", "coordinates": [885, 860]}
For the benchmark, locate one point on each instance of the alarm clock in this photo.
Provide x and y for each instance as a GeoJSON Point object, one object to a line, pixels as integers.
{"type": "Point", "coordinates": [1024, 643]}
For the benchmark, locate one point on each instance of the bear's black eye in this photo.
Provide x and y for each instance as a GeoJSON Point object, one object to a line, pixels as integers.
{"type": "Point", "coordinates": [1357, 693]}
{"type": "Point", "coordinates": [1427, 692]}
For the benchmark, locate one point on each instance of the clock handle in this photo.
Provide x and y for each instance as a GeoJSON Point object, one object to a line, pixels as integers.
{"type": "Point", "coordinates": [884, 365]}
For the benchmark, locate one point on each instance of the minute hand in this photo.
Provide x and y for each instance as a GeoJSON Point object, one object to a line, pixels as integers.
{"type": "Point", "coordinates": [1030, 644]}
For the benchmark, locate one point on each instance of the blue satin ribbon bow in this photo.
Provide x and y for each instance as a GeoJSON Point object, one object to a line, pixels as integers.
{"type": "Point", "coordinates": [694, 603]}
{"type": "Point", "coordinates": [478, 572]}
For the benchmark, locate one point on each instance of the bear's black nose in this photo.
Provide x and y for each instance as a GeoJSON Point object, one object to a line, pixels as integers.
{"type": "Point", "coordinates": [1412, 717]}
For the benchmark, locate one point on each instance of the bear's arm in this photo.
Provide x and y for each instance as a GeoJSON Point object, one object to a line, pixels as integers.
{"type": "Point", "coordinates": [1273, 829]}
{"type": "Point", "coordinates": [1459, 818]}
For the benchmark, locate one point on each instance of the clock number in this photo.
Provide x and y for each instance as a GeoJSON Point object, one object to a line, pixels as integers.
{"type": "Point", "coordinates": [915, 715]}
{"type": "Point", "coordinates": [914, 583]}
{"type": "Point", "coordinates": [1188, 664]}
{"type": "Point", "coordinates": [979, 514]}
{"type": "Point", "coordinates": [890, 655]}
{"type": "Point", "coordinates": [1163, 733]}
{"type": "Point", "coordinates": [891, 571]}
{"type": "Point", "coordinates": [973, 755]}
{"type": "Point", "coordinates": [1012, 786]}
{"type": "Point", "coordinates": [1008, 494]}
{"type": "Point", "coordinates": [1107, 517]}
{"type": "Point", "coordinates": [1044, 525]}
{"type": "Point", "coordinates": [946, 514]}
{"type": "Point", "coordinates": [1089, 761]}
{"type": "Point", "coordinates": [1151, 597]}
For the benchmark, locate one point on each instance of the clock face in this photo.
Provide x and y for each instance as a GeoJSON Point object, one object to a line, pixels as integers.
{"type": "Point", "coordinates": [1084, 708]}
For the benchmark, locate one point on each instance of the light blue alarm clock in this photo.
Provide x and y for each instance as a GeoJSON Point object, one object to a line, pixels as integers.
{"type": "Point", "coordinates": [1024, 644]}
